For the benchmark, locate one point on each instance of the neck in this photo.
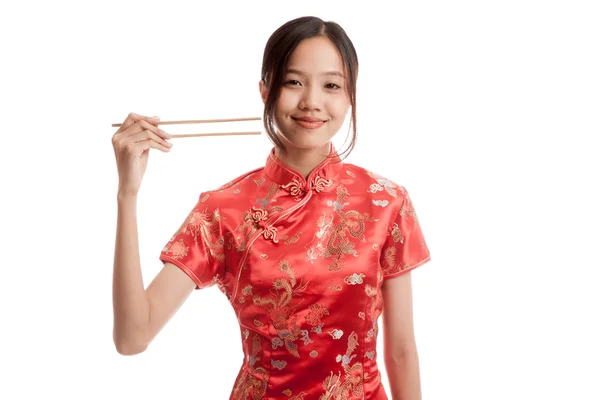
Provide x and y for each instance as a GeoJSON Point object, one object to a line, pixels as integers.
{"type": "Point", "coordinates": [302, 160]}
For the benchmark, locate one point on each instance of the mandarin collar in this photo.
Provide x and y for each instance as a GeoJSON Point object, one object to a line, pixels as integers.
{"type": "Point", "coordinates": [322, 176]}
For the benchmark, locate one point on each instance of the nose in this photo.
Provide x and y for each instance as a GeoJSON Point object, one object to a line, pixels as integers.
{"type": "Point", "coordinates": [311, 98]}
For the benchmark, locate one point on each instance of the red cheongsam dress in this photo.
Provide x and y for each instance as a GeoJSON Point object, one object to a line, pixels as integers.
{"type": "Point", "coordinates": [302, 262]}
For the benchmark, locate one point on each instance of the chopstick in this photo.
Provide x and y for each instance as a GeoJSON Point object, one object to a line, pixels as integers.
{"type": "Point", "coordinates": [206, 121]}
{"type": "Point", "coordinates": [214, 134]}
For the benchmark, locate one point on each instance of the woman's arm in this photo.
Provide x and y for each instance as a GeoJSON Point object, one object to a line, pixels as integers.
{"type": "Point", "coordinates": [400, 349]}
{"type": "Point", "coordinates": [140, 314]}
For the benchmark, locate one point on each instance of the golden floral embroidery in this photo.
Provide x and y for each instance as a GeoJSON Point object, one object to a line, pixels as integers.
{"type": "Point", "coordinates": [265, 201]}
{"type": "Point", "coordinates": [230, 241]}
{"type": "Point", "coordinates": [351, 223]}
{"type": "Point", "coordinates": [280, 312]}
{"type": "Point", "coordinates": [336, 333]}
{"type": "Point", "coordinates": [244, 231]}
{"type": "Point", "coordinates": [350, 173]}
{"type": "Point", "coordinates": [396, 234]}
{"type": "Point", "coordinates": [324, 223]}
{"type": "Point", "coordinates": [313, 318]}
{"type": "Point", "coordinates": [408, 207]}
{"type": "Point", "coordinates": [337, 388]}
{"type": "Point", "coordinates": [252, 385]}
{"type": "Point", "coordinates": [361, 315]}
{"type": "Point", "coordinates": [375, 187]}
{"type": "Point", "coordinates": [217, 280]}
{"type": "Point", "coordinates": [305, 337]}
{"type": "Point", "coordinates": [381, 203]}
{"type": "Point", "coordinates": [383, 183]}
{"type": "Point", "coordinates": [370, 290]}
{"type": "Point", "coordinates": [203, 226]}
{"type": "Point", "coordinates": [247, 290]}
{"type": "Point", "coordinates": [335, 288]}
{"type": "Point", "coordinates": [388, 263]}
{"type": "Point", "coordinates": [177, 249]}
{"type": "Point", "coordinates": [258, 323]}
{"type": "Point", "coordinates": [389, 258]}
{"type": "Point", "coordinates": [279, 364]}
{"type": "Point", "coordinates": [354, 279]}
{"type": "Point", "coordinates": [299, 396]}
{"type": "Point", "coordinates": [374, 310]}
{"type": "Point", "coordinates": [291, 240]}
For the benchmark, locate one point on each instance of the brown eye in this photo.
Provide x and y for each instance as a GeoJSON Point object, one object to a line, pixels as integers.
{"type": "Point", "coordinates": [292, 82]}
{"type": "Point", "coordinates": [332, 86]}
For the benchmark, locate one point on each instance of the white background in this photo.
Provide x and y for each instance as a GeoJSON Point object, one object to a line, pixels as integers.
{"type": "Point", "coordinates": [486, 111]}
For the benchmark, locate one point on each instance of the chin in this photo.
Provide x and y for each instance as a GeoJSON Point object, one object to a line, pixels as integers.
{"type": "Point", "coordinates": [306, 142]}
{"type": "Point", "coordinates": [306, 139]}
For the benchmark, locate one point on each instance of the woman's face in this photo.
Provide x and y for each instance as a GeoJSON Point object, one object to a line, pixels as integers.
{"type": "Point", "coordinates": [313, 102]}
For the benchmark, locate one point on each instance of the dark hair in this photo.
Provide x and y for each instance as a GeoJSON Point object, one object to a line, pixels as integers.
{"type": "Point", "coordinates": [277, 52]}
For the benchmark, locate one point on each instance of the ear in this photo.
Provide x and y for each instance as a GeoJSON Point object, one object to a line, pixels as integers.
{"type": "Point", "coordinates": [263, 91]}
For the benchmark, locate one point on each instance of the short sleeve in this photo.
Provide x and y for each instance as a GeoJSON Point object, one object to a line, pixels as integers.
{"type": "Point", "coordinates": [197, 246]}
{"type": "Point", "coordinates": [404, 248]}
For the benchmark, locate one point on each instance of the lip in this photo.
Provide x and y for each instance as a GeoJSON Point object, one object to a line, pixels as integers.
{"type": "Point", "coordinates": [309, 123]}
{"type": "Point", "coordinates": [308, 119]}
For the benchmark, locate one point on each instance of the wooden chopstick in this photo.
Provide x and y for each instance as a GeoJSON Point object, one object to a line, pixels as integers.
{"type": "Point", "coordinates": [214, 134]}
{"type": "Point", "coordinates": [201, 121]}
{"type": "Point", "coordinates": [207, 121]}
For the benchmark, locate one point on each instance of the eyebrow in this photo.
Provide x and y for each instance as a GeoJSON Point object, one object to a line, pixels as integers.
{"type": "Point", "coordinates": [295, 71]}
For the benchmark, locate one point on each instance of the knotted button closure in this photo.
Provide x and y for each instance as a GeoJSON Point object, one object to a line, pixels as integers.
{"type": "Point", "coordinates": [296, 189]}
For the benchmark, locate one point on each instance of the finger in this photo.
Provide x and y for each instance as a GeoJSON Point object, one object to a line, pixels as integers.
{"type": "Point", "coordinates": [149, 143]}
{"type": "Point", "coordinates": [148, 134]}
{"type": "Point", "coordinates": [138, 148]}
{"type": "Point", "coordinates": [144, 125]}
{"type": "Point", "coordinates": [155, 129]}
{"type": "Point", "coordinates": [132, 118]}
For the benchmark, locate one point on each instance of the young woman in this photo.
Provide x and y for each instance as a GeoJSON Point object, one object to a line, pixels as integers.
{"type": "Point", "coordinates": [309, 250]}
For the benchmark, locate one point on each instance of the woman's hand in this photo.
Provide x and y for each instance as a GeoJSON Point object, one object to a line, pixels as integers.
{"type": "Point", "coordinates": [132, 143]}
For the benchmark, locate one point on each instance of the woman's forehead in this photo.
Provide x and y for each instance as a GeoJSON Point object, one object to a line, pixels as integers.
{"type": "Point", "coordinates": [316, 56]}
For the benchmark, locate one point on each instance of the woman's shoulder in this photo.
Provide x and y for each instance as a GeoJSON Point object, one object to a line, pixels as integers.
{"type": "Point", "coordinates": [235, 187]}
{"type": "Point", "coordinates": [375, 183]}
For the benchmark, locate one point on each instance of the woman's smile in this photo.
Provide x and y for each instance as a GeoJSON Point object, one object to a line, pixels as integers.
{"type": "Point", "coordinates": [309, 123]}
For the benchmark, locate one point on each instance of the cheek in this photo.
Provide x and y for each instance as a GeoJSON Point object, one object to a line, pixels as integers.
{"type": "Point", "coordinates": [285, 102]}
{"type": "Point", "coordinates": [339, 107]}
